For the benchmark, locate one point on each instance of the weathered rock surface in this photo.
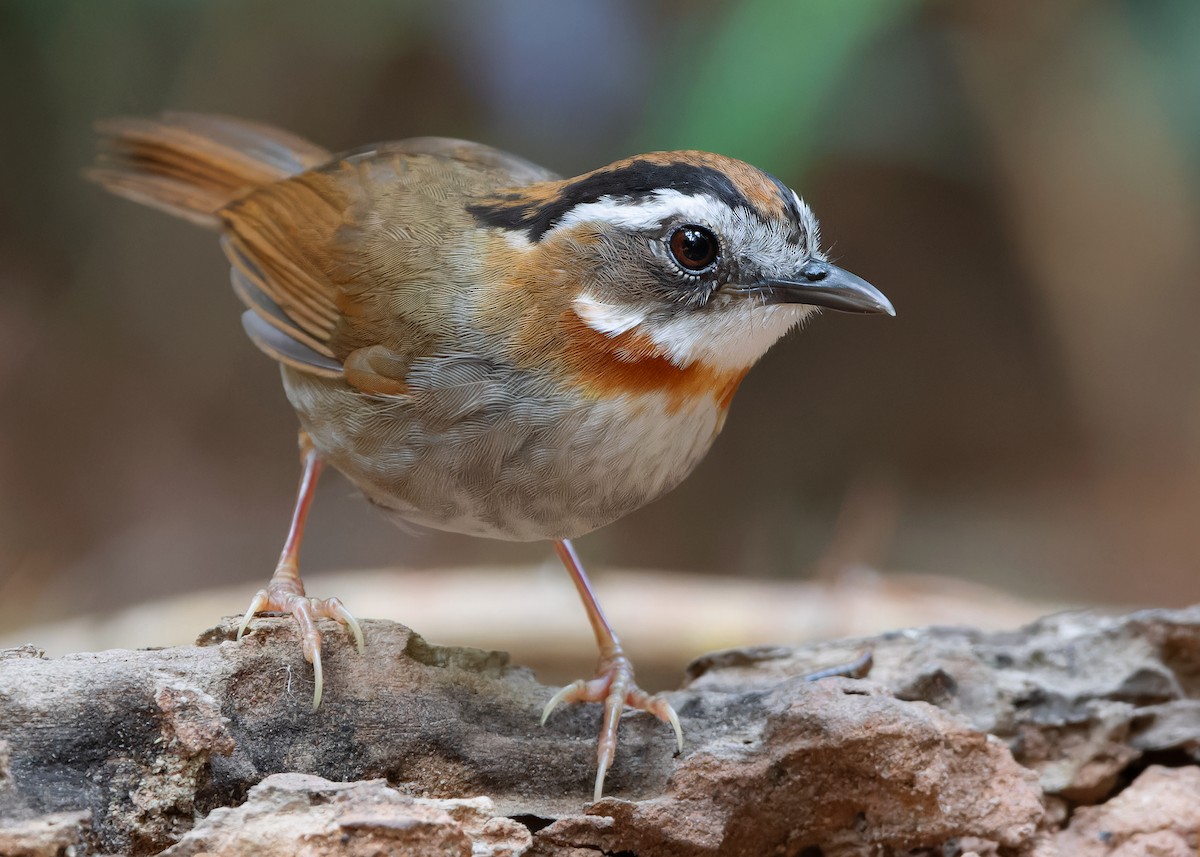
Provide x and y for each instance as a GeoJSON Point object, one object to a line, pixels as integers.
{"type": "Point", "coordinates": [1158, 815]}
{"type": "Point", "coordinates": [959, 742]}
{"type": "Point", "coordinates": [289, 814]}
{"type": "Point", "coordinates": [1077, 697]}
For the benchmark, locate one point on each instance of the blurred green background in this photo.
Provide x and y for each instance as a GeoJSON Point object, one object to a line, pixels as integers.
{"type": "Point", "coordinates": [1020, 178]}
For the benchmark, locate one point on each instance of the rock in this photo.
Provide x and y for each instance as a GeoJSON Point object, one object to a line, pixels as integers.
{"type": "Point", "coordinates": [1157, 816]}
{"type": "Point", "coordinates": [299, 814]}
{"type": "Point", "coordinates": [834, 766]}
{"type": "Point", "coordinates": [50, 835]}
{"type": "Point", "coordinates": [1078, 697]}
{"type": "Point", "coordinates": [958, 742]}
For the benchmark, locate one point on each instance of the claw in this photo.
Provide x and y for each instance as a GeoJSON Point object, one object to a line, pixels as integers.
{"type": "Point", "coordinates": [345, 617]}
{"type": "Point", "coordinates": [562, 696]}
{"type": "Point", "coordinates": [673, 719]}
{"type": "Point", "coordinates": [318, 679]}
{"type": "Point", "coordinates": [257, 604]}
{"type": "Point", "coordinates": [601, 770]}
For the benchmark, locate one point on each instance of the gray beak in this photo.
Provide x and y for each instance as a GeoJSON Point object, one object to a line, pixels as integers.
{"type": "Point", "coordinates": [825, 285]}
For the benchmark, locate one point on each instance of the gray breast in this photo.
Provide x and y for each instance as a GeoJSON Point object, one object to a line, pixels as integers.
{"type": "Point", "coordinates": [487, 450]}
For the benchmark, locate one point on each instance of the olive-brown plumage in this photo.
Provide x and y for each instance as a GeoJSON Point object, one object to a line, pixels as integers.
{"type": "Point", "coordinates": [483, 347]}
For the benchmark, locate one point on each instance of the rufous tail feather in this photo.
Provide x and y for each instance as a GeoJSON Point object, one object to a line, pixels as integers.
{"type": "Point", "coordinates": [192, 165]}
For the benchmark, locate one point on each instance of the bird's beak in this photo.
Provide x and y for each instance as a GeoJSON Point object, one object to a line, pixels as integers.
{"type": "Point", "coordinates": [821, 284]}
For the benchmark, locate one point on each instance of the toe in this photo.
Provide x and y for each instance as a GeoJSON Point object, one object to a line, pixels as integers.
{"type": "Point", "coordinates": [569, 693]}
{"type": "Point", "coordinates": [257, 604]}
{"type": "Point", "coordinates": [665, 712]}
{"type": "Point", "coordinates": [333, 608]}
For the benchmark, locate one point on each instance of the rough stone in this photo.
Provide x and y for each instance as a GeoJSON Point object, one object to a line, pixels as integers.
{"type": "Point", "coordinates": [1078, 697]}
{"type": "Point", "coordinates": [1158, 815]}
{"type": "Point", "coordinates": [52, 835]}
{"type": "Point", "coordinates": [299, 814]}
{"type": "Point", "coordinates": [958, 742]}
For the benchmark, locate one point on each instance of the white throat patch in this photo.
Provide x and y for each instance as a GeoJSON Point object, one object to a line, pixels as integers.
{"type": "Point", "coordinates": [731, 337]}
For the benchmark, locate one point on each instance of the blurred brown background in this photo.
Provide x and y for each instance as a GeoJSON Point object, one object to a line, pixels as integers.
{"type": "Point", "coordinates": [1020, 178]}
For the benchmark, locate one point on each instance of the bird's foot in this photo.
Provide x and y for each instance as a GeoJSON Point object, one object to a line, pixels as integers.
{"type": "Point", "coordinates": [285, 594]}
{"type": "Point", "coordinates": [614, 686]}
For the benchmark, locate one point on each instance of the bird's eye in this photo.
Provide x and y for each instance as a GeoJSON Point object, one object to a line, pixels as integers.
{"type": "Point", "coordinates": [694, 247]}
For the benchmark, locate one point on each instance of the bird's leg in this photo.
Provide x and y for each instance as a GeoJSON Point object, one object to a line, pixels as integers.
{"type": "Point", "coordinates": [613, 685]}
{"type": "Point", "coordinates": [285, 592]}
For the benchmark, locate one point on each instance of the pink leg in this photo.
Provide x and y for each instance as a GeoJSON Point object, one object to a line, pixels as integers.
{"type": "Point", "coordinates": [285, 592]}
{"type": "Point", "coordinates": [613, 685]}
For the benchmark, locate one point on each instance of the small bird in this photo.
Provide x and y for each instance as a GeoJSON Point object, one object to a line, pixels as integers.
{"type": "Point", "coordinates": [482, 346]}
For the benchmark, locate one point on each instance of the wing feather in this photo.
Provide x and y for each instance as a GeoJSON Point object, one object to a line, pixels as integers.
{"type": "Point", "coordinates": [362, 252]}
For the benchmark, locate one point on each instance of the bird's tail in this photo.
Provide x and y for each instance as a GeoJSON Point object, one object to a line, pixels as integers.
{"type": "Point", "coordinates": [193, 164]}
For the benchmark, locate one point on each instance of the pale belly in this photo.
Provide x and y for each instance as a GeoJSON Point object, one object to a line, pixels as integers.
{"type": "Point", "coordinates": [483, 451]}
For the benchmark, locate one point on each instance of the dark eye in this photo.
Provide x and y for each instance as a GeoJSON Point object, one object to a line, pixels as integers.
{"type": "Point", "coordinates": [694, 247]}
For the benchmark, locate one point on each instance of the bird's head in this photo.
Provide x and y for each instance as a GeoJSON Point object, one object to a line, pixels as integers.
{"type": "Point", "coordinates": [707, 258]}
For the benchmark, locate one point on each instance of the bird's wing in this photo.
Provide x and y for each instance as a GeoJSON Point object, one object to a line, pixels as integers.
{"type": "Point", "coordinates": [367, 253]}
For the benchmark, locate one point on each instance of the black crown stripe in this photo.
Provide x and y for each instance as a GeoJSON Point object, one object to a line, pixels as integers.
{"type": "Point", "coordinates": [634, 181]}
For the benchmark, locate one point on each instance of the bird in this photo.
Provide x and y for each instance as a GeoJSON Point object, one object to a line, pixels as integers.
{"type": "Point", "coordinates": [484, 347]}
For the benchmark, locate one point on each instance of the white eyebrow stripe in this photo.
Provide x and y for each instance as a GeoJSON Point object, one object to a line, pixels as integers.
{"type": "Point", "coordinates": [646, 212]}
{"type": "Point", "coordinates": [650, 212]}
